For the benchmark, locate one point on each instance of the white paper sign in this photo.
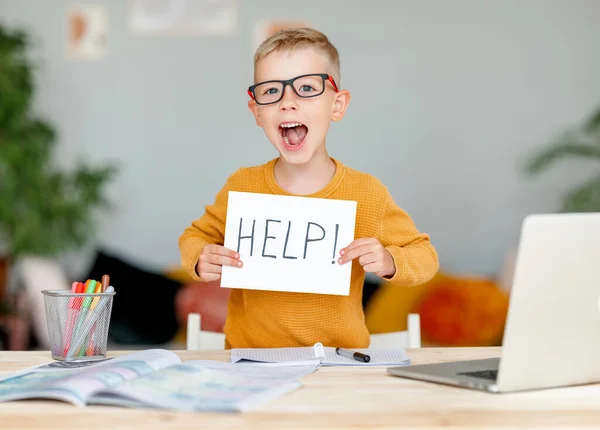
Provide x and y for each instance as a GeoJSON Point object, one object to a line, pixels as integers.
{"type": "Point", "coordinates": [288, 243]}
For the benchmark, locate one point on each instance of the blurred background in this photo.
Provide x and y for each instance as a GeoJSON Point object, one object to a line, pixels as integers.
{"type": "Point", "coordinates": [142, 105]}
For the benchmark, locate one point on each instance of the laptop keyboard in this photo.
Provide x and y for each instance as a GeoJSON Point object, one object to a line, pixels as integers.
{"type": "Point", "coordinates": [484, 374]}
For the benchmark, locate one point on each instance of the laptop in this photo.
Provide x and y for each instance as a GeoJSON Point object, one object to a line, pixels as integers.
{"type": "Point", "coordinates": [552, 332]}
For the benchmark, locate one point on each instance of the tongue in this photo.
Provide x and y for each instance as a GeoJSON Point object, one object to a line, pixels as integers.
{"type": "Point", "coordinates": [295, 134]}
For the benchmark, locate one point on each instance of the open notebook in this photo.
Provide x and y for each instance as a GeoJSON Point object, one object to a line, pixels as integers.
{"type": "Point", "coordinates": [318, 355]}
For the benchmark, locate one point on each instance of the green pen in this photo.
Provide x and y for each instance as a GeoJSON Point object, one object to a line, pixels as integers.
{"type": "Point", "coordinates": [84, 307]}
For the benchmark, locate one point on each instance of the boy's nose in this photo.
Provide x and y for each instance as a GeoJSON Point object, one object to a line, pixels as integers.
{"type": "Point", "coordinates": [288, 101]}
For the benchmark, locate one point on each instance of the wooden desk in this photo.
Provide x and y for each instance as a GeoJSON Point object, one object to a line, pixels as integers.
{"type": "Point", "coordinates": [336, 397]}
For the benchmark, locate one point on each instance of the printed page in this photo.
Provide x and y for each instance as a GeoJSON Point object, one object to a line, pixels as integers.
{"type": "Point", "coordinates": [275, 356]}
{"type": "Point", "coordinates": [76, 386]}
{"type": "Point", "coordinates": [194, 386]}
{"type": "Point", "coordinates": [379, 357]}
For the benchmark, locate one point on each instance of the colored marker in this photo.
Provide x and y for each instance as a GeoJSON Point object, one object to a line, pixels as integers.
{"type": "Point", "coordinates": [105, 282]}
{"type": "Point", "coordinates": [71, 318]}
{"type": "Point", "coordinates": [75, 303]}
{"type": "Point", "coordinates": [89, 289]}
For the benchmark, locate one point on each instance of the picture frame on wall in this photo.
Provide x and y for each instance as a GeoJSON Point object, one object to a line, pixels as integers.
{"type": "Point", "coordinates": [87, 32]}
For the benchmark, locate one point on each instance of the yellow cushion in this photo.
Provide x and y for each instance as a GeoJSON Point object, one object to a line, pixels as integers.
{"type": "Point", "coordinates": [390, 305]}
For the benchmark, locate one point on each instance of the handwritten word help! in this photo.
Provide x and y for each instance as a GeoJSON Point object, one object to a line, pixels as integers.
{"type": "Point", "coordinates": [314, 233]}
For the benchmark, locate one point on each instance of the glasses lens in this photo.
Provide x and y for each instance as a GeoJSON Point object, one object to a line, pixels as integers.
{"type": "Point", "coordinates": [309, 86]}
{"type": "Point", "coordinates": [269, 92]}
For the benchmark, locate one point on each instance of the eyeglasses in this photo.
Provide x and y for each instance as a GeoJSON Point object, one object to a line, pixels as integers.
{"type": "Point", "coordinates": [305, 86]}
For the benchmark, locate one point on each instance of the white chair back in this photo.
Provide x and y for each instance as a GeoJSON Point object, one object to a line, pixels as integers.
{"type": "Point", "coordinates": [197, 339]}
{"type": "Point", "coordinates": [410, 338]}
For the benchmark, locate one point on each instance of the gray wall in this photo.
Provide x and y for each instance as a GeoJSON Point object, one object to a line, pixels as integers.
{"type": "Point", "coordinates": [448, 97]}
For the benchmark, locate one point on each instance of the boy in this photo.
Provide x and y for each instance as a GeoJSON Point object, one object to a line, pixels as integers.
{"type": "Point", "coordinates": [294, 99]}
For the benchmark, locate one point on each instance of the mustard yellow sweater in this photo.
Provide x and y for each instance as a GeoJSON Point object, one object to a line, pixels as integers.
{"type": "Point", "coordinates": [265, 319]}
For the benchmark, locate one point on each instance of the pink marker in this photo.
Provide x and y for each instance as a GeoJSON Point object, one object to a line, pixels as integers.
{"type": "Point", "coordinates": [71, 318]}
{"type": "Point", "coordinates": [74, 305]}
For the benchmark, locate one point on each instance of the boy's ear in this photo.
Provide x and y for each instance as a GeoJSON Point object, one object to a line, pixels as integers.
{"type": "Point", "coordinates": [342, 99]}
{"type": "Point", "coordinates": [253, 106]}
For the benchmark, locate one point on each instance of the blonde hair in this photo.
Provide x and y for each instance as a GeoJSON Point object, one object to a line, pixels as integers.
{"type": "Point", "coordinates": [297, 38]}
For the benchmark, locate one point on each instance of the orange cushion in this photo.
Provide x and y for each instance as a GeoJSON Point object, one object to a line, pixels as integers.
{"type": "Point", "coordinates": [463, 312]}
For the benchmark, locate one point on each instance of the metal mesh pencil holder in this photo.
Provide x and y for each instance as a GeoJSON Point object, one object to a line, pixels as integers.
{"type": "Point", "coordinates": [78, 324]}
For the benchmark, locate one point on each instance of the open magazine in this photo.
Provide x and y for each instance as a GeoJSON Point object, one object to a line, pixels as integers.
{"type": "Point", "coordinates": [156, 378]}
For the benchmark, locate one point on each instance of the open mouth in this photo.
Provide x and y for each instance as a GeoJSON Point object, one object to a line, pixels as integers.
{"type": "Point", "coordinates": [293, 135]}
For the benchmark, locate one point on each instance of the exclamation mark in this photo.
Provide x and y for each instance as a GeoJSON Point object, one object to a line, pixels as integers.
{"type": "Point", "coordinates": [337, 227]}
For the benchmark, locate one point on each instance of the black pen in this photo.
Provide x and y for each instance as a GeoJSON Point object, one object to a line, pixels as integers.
{"type": "Point", "coordinates": [358, 356]}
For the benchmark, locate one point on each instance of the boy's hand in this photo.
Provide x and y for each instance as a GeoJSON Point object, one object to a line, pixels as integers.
{"type": "Point", "coordinates": [213, 258]}
{"type": "Point", "coordinates": [372, 256]}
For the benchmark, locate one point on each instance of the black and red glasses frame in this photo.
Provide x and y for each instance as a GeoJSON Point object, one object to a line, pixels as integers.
{"type": "Point", "coordinates": [324, 76]}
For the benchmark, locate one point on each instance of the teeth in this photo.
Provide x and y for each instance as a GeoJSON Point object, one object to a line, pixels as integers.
{"type": "Point", "coordinates": [286, 140]}
{"type": "Point", "coordinates": [291, 125]}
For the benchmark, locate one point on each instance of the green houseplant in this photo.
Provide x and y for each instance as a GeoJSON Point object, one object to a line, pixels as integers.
{"type": "Point", "coordinates": [43, 210]}
{"type": "Point", "coordinates": [581, 141]}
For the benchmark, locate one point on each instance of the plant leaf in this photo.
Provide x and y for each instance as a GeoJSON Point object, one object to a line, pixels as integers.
{"type": "Point", "coordinates": [593, 123]}
{"type": "Point", "coordinates": [585, 198]}
{"type": "Point", "coordinates": [558, 151]}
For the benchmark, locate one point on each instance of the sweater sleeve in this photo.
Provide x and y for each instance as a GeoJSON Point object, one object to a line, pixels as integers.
{"type": "Point", "coordinates": [208, 229]}
{"type": "Point", "coordinates": [415, 257]}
